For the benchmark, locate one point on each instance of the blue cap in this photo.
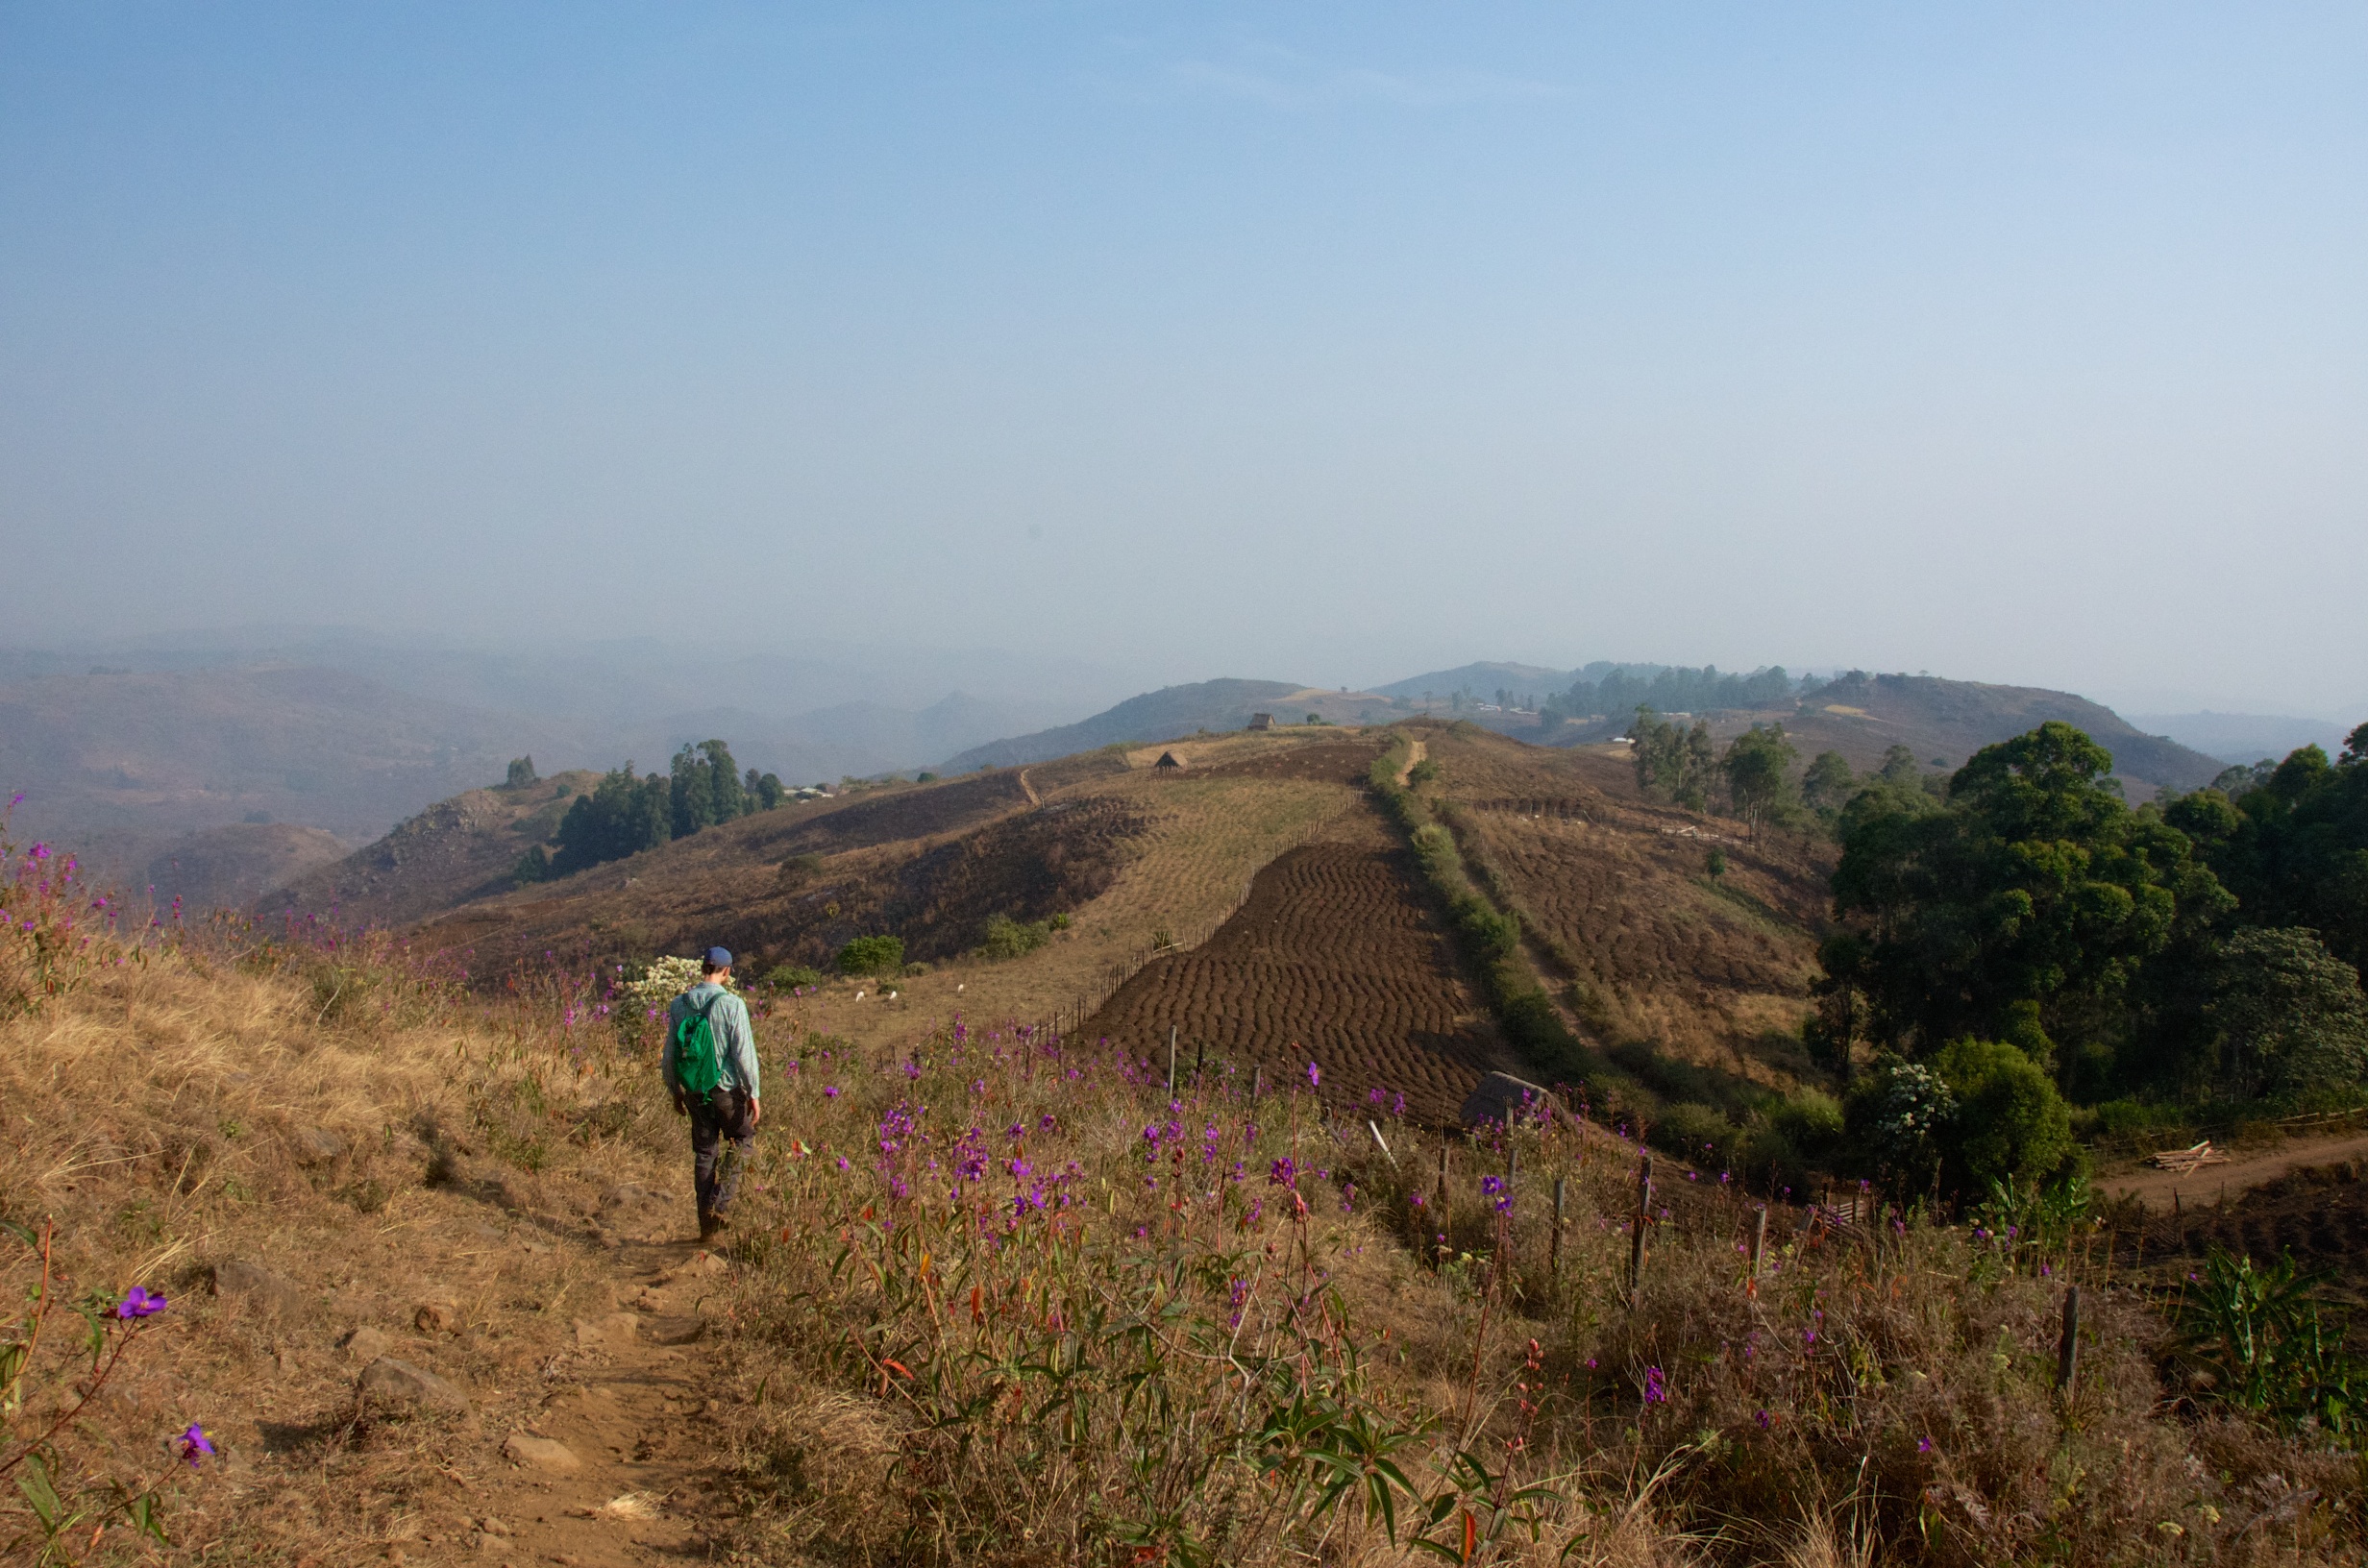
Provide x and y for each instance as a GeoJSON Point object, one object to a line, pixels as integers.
{"type": "Point", "coordinates": [719, 958]}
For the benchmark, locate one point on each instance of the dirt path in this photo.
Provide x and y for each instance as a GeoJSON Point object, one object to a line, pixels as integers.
{"type": "Point", "coordinates": [1028, 789]}
{"type": "Point", "coordinates": [2153, 1188]}
{"type": "Point", "coordinates": [611, 1469]}
{"type": "Point", "coordinates": [1416, 751]}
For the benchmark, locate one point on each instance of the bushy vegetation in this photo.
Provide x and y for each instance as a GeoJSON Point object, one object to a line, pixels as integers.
{"type": "Point", "coordinates": [1005, 938]}
{"type": "Point", "coordinates": [872, 955]}
{"type": "Point", "coordinates": [2027, 920]}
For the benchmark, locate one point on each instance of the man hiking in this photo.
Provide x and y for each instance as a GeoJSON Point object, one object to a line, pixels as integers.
{"type": "Point", "coordinates": [710, 1068]}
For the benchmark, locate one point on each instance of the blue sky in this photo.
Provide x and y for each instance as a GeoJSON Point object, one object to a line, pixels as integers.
{"type": "Point", "coordinates": [1328, 342]}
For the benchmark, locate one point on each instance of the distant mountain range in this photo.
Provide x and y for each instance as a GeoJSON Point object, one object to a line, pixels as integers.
{"type": "Point", "coordinates": [142, 755]}
{"type": "Point", "coordinates": [2246, 737]}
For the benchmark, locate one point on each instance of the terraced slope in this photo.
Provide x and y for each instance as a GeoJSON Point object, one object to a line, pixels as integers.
{"type": "Point", "coordinates": [1617, 893]}
{"type": "Point", "coordinates": [1334, 959]}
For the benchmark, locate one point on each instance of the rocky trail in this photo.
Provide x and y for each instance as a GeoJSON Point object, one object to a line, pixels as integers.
{"type": "Point", "coordinates": [485, 1387]}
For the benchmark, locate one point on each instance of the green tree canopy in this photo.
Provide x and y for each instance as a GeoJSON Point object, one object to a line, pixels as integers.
{"type": "Point", "coordinates": [2287, 1016]}
{"type": "Point", "coordinates": [2031, 903]}
{"type": "Point", "coordinates": [1829, 782]}
{"type": "Point", "coordinates": [621, 816]}
{"type": "Point", "coordinates": [1674, 764]}
{"type": "Point", "coordinates": [2294, 847]}
{"type": "Point", "coordinates": [1758, 771]}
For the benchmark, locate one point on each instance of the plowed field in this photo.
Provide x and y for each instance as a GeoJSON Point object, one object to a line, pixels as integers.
{"type": "Point", "coordinates": [2319, 1213]}
{"type": "Point", "coordinates": [1334, 960]}
{"type": "Point", "coordinates": [1710, 969]}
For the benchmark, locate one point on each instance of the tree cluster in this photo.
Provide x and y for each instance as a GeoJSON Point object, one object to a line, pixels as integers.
{"type": "Point", "coordinates": [2194, 949]}
{"type": "Point", "coordinates": [1676, 691]}
{"type": "Point", "coordinates": [625, 814]}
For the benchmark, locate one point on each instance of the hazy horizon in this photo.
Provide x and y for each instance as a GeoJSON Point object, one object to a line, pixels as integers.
{"type": "Point", "coordinates": [1333, 345]}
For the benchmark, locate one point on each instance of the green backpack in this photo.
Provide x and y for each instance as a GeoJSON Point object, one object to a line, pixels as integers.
{"type": "Point", "coordinates": [698, 1065]}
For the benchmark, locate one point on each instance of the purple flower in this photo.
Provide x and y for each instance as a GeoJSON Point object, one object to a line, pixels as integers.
{"type": "Point", "coordinates": [1284, 1172]}
{"type": "Point", "coordinates": [139, 1304]}
{"type": "Point", "coordinates": [193, 1443]}
{"type": "Point", "coordinates": [1923, 1445]}
{"type": "Point", "coordinates": [1315, 1075]}
{"type": "Point", "coordinates": [1656, 1390]}
{"type": "Point", "coordinates": [1762, 1418]}
{"type": "Point", "coordinates": [830, 1091]}
{"type": "Point", "coordinates": [1415, 1198]}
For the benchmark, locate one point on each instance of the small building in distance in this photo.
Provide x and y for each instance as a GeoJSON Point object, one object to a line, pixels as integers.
{"type": "Point", "coordinates": [1261, 721]}
{"type": "Point", "coordinates": [1169, 763]}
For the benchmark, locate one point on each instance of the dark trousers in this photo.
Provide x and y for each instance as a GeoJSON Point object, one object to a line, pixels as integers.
{"type": "Point", "coordinates": [722, 1114]}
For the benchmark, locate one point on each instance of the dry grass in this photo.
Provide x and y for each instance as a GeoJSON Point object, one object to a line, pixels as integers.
{"type": "Point", "coordinates": [169, 1120]}
{"type": "Point", "coordinates": [921, 1377]}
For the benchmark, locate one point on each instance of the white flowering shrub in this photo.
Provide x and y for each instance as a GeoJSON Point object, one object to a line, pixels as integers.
{"type": "Point", "coordinates": [660, 982]}
{"type": "Point", "coordinates": [1911, 1112]}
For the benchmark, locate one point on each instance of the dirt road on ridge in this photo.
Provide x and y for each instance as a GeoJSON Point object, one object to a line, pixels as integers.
{"type": "Point", "coordinates": [2241, 1174]}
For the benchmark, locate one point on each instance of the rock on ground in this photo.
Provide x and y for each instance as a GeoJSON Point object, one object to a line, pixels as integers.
{"type": "Point", "coordinates": [536, 1453]}
{"type": "Point", "coordinates": [259, 1289]}
{"type": "Point", "coordinates": [398, 1386]}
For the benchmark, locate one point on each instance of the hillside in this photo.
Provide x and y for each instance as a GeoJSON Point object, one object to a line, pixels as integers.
{"type": "Point", "coordinates": [1175, 711]}
{"type": "Point", "coordinates": [418, 1273]}
{"type": "Point", "coordinates": [1945, 721]}
{"type": "Point", "coordinates": [228, 867]}
{"type": "Point", "coordinates": [121, 765]}
{"type": "Point", "coordinates": [453, 852]}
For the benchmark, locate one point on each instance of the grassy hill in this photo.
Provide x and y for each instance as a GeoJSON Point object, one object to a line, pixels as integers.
{"type": "Point", "coordinates": [120, 765]}
{"type": "Point", "coordinates": [1945, 721]}
{"type": "Point", "coordinates": [1175, 711]}
{"type": "Point", "coordinates": [228, 868]}
{"type": "Point", "coordinates": [453, 852]}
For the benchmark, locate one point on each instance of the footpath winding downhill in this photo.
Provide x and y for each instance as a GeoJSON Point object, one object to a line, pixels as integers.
{"type": "Point", "coordinates": [608, 1467]}
{"type": "Point", "coordinates": [2241, 1174]}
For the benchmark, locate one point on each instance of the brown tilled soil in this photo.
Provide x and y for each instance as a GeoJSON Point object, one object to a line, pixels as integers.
{"type": "Point", "coordinates": [1710, 969]}
{"type": "Point", "coordinates": [2317, 1214]}
{"type": "Point", "coordinates": [1336, 959]}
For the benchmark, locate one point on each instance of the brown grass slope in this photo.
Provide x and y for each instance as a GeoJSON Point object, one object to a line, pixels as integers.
{"type": "Point", "coordinates": [455, 850]}
{"type": "Point", "coordinates": [1951, 720]}
{"type": "Point", "coordinates": [1714, 970]}
{"type": "Point", "coordinates": [228, 868]}
{"type": "Point", "coordinates": [884, 1370]}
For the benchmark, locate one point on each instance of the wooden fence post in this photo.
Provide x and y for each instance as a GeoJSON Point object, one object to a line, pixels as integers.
{"type": "Point", "coordinates": [1636, 1238]}
{"type": "Point", "coordinates": [1759, 1242]}
{"type": "Point", "coordinates": [1443, 1184]}
{"type": "Point", "coordinates": [1554, 1247]}
{"type": "Point", "coordinates": [1171, 1061]}
{"type": "Point", "coordinates": [2068, 1347]}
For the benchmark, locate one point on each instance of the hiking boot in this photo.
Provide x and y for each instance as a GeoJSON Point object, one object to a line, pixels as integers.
{"type": "Point", "coordinates": [708, 1225]}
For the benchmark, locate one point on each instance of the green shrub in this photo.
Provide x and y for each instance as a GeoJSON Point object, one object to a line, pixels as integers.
{"type": "Point", "coordinates": [1811, 1123]}
{"type": "Point", "coordinates": [535, 866]}
{"type": "Point", "coordinates": [2011, 1124]}
{"type": "Point", "coordinates": [1696, 1134]}
{"type": "Point", "coordinates": [1006, 938]}
{"type": "Point", "coordinates": [1425, 771]}
{"type": "Point", "coordinates": [1487, 934]}
{"type": "Point", "coordinates": [872, 955]}
{"type": "Point", "coordinates": [794, 977]}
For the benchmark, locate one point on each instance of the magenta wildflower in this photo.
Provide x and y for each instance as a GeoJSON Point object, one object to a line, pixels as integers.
{"type": "Point", "coordinates": [1314, 1076]}
{"type": "Point", "coordinates": [193, 1443]}
{"type": "Point", "coordinates": [1284, 1172]}
{"type": "Point", "coordinates": [1656, 1388]}
{"type": "Point", "coordinates": [139, 1304]}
